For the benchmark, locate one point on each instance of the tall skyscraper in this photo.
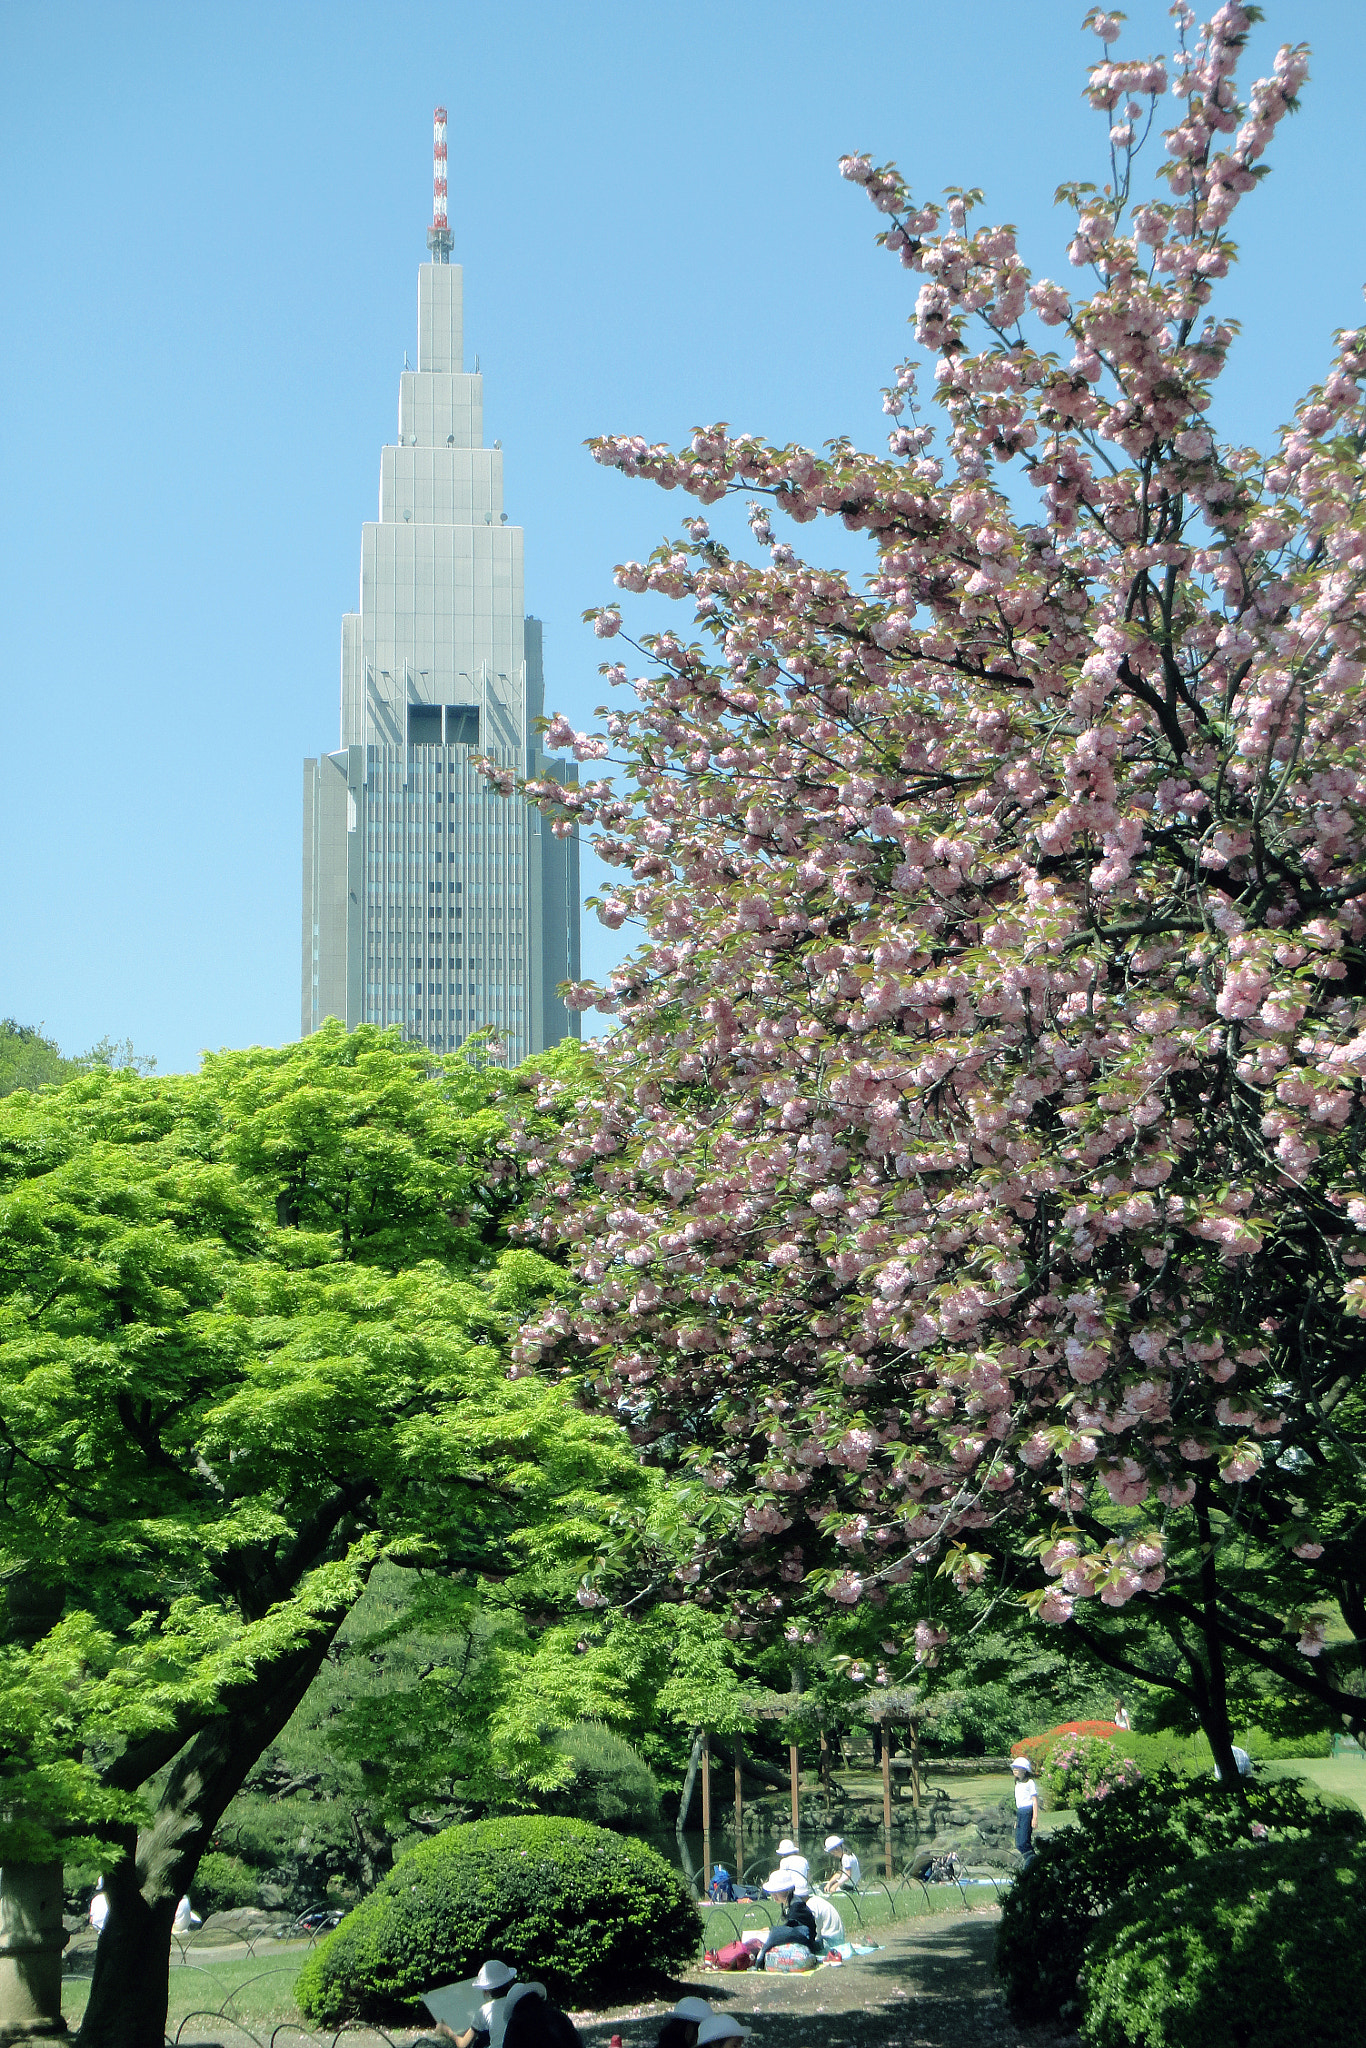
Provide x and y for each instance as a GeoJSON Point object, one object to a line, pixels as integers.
{"type": "Point", "coordinates": [428, 901]}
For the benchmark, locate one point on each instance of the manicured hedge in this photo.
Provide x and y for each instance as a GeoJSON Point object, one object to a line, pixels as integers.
{"type": "Point", "coordinates": [581, 1910]}
{"type": "Point", "coordinates": [1132, 1838]}
{"type": "Point", "coordinates": [1178, 1752]}
{"type": "Point", "coordinates": [1257, 1948]}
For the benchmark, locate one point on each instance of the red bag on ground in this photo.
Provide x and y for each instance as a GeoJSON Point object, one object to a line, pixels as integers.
{"type": "Point", "coordinates": [734, 1956]}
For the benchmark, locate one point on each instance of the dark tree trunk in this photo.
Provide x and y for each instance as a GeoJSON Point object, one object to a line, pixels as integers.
{"type": "Point", "coordinates": [130, 1989]}
{"type": "Point", "coordinates": [1214, 1705]}
{"type": "Point", "coordinates": [685, 1799]}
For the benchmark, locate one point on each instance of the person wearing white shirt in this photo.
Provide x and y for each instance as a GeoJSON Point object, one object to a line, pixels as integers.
{"type": "Point", "coordinates": [850, 1873]}
{"type": "Point", "coordinates": [790, 1857]}
{"type": "Point", "coordinates": [497, 1978]}
{"type": "Point", "coordinates": [1026, 1808]}
{"type": "Point", "coordinates": [829, 1926]}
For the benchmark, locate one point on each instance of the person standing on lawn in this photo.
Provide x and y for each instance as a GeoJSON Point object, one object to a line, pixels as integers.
{"type": "Point", "coordinates": [1026, 1808]}
{"type": "Point", "coordinates": [1121, 1717]}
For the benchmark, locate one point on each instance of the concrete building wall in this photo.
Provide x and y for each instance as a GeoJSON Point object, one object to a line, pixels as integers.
{"type": "Point", "coordinates": [428, 901]}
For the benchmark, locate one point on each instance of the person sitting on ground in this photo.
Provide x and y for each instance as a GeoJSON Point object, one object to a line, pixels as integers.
{"type": "Point", "coordinates": [790, 1857]}
{"type": "Point", "coordinates": [1242, 1760]}
{"type": "Point", "coordinates": [186, 1919]}
{"type": "Point", "coordinates": [721, 2031]}
{"type": "Point", "coordinates": [829, 1926]}
{"type": "Point", "coordinates": [497, 1979]}
{"type": "Point", "coordinates": [680, 2026]}
{"type": "Point", "coordinates": [534, 2022]}
{"type": "Point", "coordinates": [1026, 1808]}
{"type": "Point", "coordinates": [849, 1875]}
{"type": "Point", "coordinates": [795, 1921]}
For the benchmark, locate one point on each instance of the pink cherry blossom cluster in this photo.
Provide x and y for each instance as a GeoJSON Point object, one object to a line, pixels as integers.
{"type": "Point", "coordinates": [979, 1149]}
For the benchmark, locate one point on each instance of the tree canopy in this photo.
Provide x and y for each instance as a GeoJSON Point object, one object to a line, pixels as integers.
{"type": "Point", "coordinates": [975, 1176]}
{"type": "Point", "coordinates": [252, 1339]}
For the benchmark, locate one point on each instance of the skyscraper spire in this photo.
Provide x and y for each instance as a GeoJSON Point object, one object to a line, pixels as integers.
{"type": "Point", "coordinates": [439, 234]}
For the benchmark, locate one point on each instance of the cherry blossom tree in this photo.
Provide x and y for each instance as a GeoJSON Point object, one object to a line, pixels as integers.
{"type": "Point", "coordinates": [973, 1178]}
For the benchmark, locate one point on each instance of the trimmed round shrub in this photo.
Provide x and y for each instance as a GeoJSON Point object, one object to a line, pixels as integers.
{"type": "Point", "coordinates": [222, 1882]}
{"type": "Point", "coordinates": [581, 1910]}
{"type": "Point", "coordinates": [1131, 1838]}
{"type": "Point", "coordinates": [1255, 1948]}
{"type": "Point", "coordinates": [1082, 1767]}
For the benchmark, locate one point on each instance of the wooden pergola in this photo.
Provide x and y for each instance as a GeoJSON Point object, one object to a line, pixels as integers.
{"type": "Point", "coordinates": [886, 1709]}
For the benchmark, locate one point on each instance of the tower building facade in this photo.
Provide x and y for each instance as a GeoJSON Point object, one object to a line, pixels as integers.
{"type": "Point", "coordinates": [429, 901]}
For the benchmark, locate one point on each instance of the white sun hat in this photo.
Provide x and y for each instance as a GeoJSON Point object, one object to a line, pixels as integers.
{"type": "Point", "coordinates": [787, 1847]}
{"type": "Point", "coordinates": [1021, 1763]}
{"type": "Point", "coordinates": [780, 1881]}
{"type": "Point", "coordinates": [834, 1841]}
{"type": "Point", "coordinates": [692, 2009]}
{"type": "Point", "coordinates": [720, 2027]}
{"type": "Point", "coordinates": [495, 1976]}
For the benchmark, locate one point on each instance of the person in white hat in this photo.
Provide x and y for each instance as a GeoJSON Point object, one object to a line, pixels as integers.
{"type": "Point", "coordinates": [496, 1978]}
{"type": "Point", "coordinates": [829, 1926]}
{"type": "Point", "coordinates": [720, 2030]}
{"type": "Point", "coordinates": [680, 2026]}
{"type": "Point", "coordinates": [794, 1922]}
{"type": "Point", "coordinates": [1026, 1807]}
{"type": "Point", "coordinates": [849, 1875]}
{"type": "Point", "coordinates": [790, 1857]}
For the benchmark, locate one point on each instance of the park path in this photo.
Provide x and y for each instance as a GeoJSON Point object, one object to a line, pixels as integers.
{"type": "Point", "coordinates": [930, 1985]}
{"type": "Point", "coordinates": [927, 1986]}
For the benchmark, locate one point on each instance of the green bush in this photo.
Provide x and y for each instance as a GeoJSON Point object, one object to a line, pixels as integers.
{"type": "Point", "coordinates": [222, 1882]}
{"type": "Point", "coordinates": [582, 1910]}
{"type": "Point", "coordinates": [612, 1785]}
{"type": "Point", "coordinates": [1131, 1838]}
{"type": "Point", "coordinates": [1081, 1767]}
{"type": "Point", "coordinates": [1168, 1749]}
{"type": "Point", "coordinates": [1255, 1948]}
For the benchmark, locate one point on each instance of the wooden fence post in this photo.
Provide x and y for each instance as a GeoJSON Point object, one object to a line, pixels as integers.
{"type": "Point", "coordinates": [739, 1807]}
{"type": "Point", "coordinates": [887, 1793]}
{"type": "Point", "coordinates": [794, 1768]}
{"type": "Point", "coordinates": [706, 1812]}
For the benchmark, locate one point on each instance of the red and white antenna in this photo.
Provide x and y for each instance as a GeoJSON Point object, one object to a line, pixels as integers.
{"type": "Point", "coordinates": [439, 233]}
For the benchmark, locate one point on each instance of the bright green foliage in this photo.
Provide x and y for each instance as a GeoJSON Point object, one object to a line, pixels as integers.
{"type": "Point", "coordinates": [252, 1339]}
{"type": "Point", "coordinates": [1256, 1948]}
{"type": "Point", "coordinates": [611, 1785]}
{"type": "Point", "coordinates": [1080, 1767]}
{"type": "Point", "coordinates": [222, 1882]}
{"type": "Point", "coordinates": [580, 1910]}
{"type": "Point", "coordinates": [1130, 1838]}
{"type": "Point", "coordinates": [30, 1059]}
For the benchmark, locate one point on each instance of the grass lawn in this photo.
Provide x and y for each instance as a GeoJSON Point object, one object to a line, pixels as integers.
{"type": "Point", "coordinates": [251, 1988]}
{"type": "Point", "coordinates": [1344, 1774]}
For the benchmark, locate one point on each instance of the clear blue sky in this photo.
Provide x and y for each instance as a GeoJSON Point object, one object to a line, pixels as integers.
{"type": "Point", "coordinates": [213, 215]}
